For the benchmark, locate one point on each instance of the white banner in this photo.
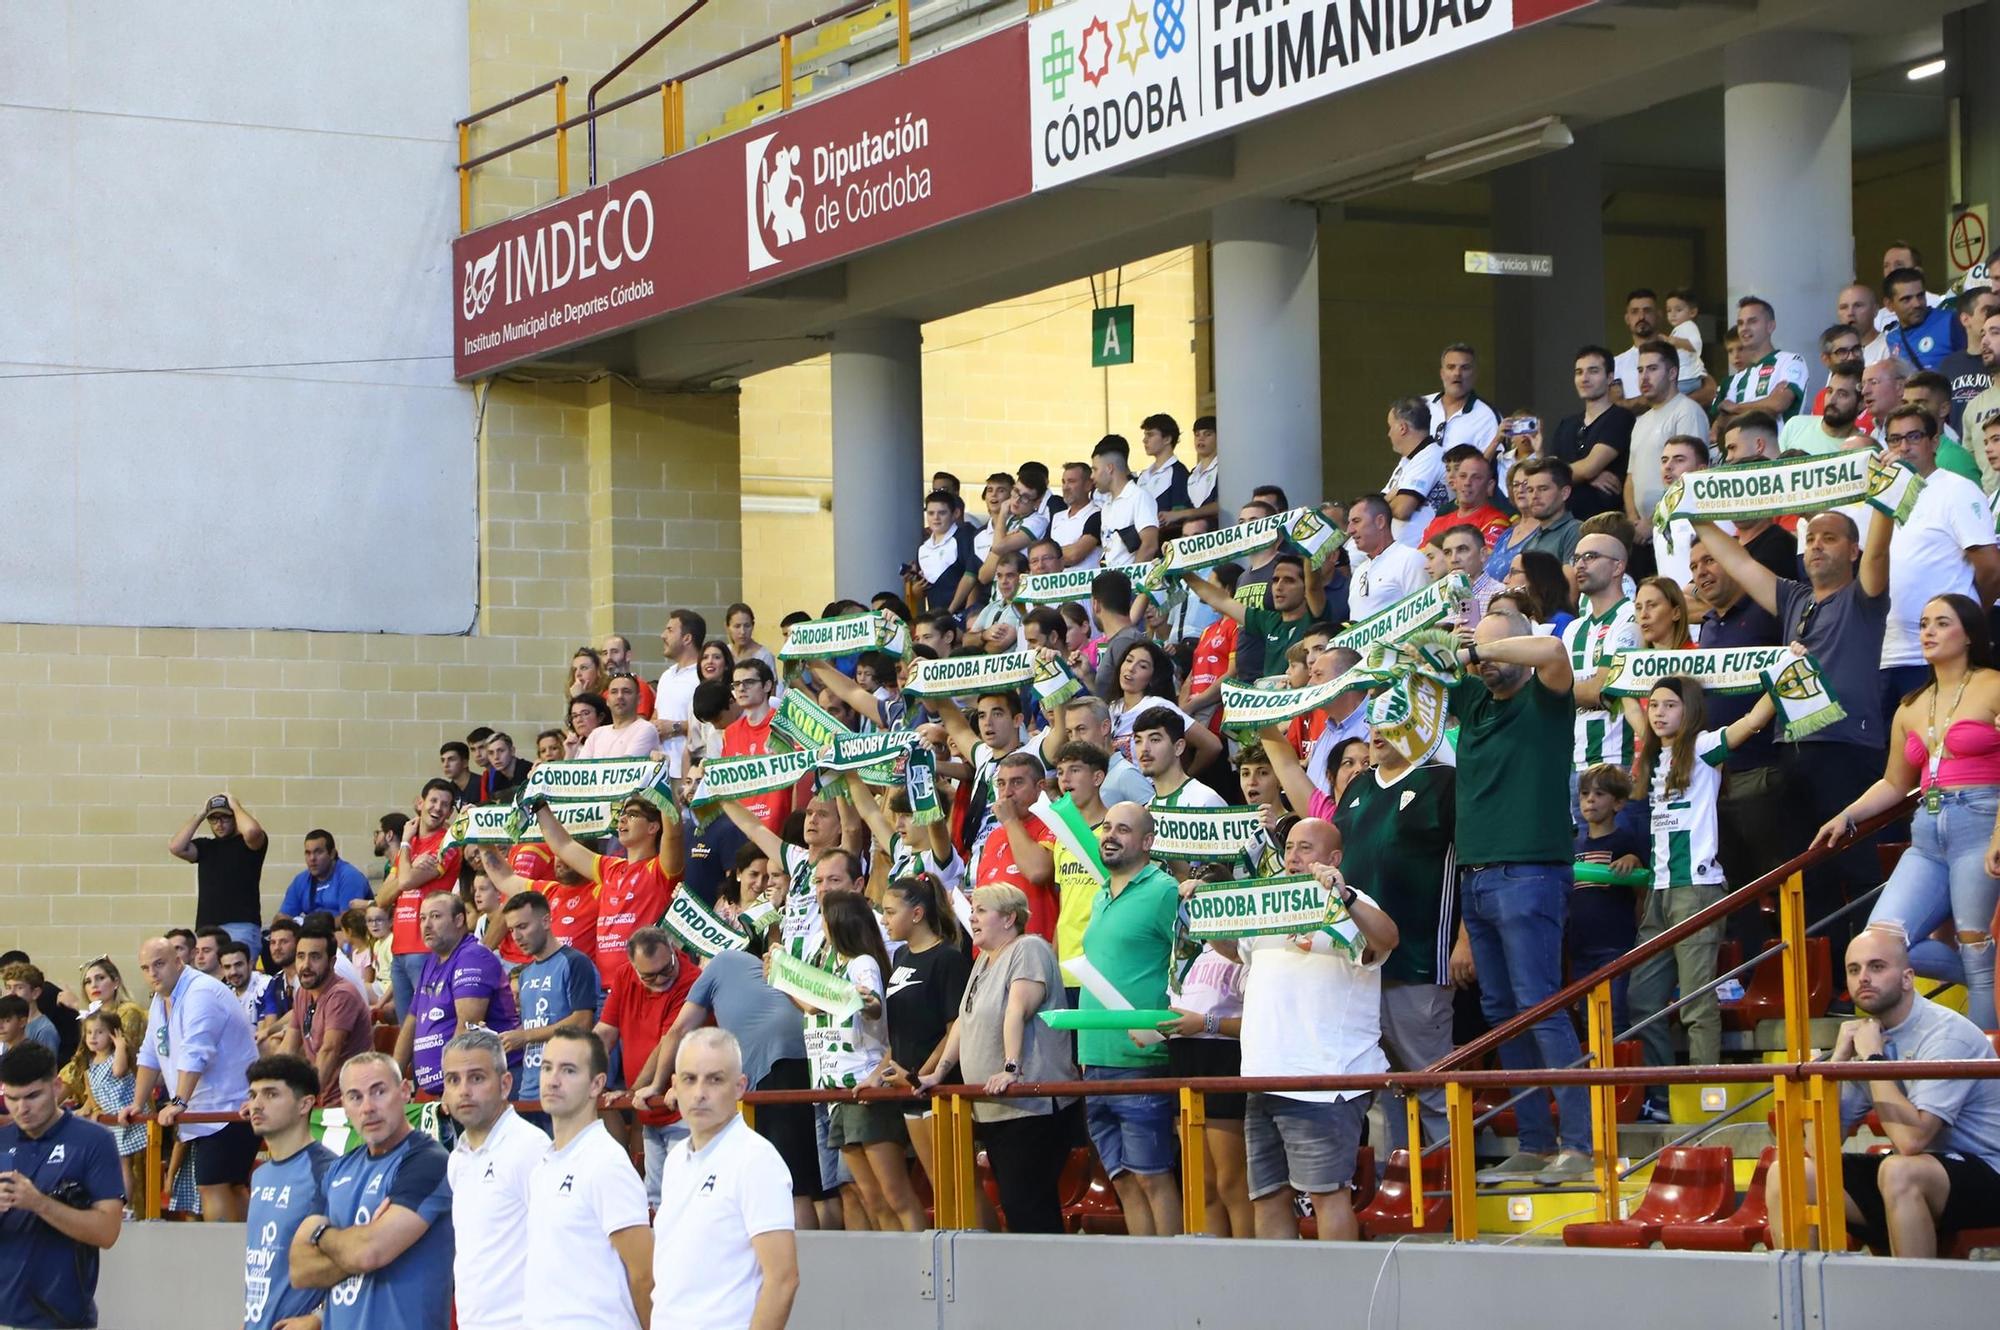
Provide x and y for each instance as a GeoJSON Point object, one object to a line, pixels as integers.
{"type": "Point", "coordinates": [1116, 81]}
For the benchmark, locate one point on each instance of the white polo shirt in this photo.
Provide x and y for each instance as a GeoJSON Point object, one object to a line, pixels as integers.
{"type": "Point", "coordinates": [1927, 557]}
{"type": "Point", "coordinates": [673, 699]}
{"type": "Point", "coordinates": [489, 1204]}
{"type": "Point", "coordinates": [1131, 507]}
{"type": "Point", "coordinates": [580, 1195]}
{"type": "Point", "coordinates": [1397, 571]}
{"type": "Point", "coordinates": [1475, 424]}
{"type": "Point", "coordinates": [1066, 528]}
{"type": "Point", "coordinates": [712, 1202]}
{"type": "Point", "coordinates": [1420, 474]}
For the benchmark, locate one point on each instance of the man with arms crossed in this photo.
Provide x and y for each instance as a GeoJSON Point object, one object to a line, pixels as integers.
{"type": "Point", "coordinates": [488, 1170]}
{"type": "Point", "coordinates": [286, 1192]}
{"type": "Point", "coordinates": [587, 1253]}
{"type": "Point", "coordinates": [383, 1248]}
{"type": "Point", "coordinates": [724, 1251]}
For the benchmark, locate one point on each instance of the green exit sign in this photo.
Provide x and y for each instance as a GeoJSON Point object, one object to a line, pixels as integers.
{"type": "Point", "coordinates": [1111, 336]}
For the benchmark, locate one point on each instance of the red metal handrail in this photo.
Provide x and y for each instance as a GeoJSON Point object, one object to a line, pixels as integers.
{"type": "Point", "coordinates": [590, 99]}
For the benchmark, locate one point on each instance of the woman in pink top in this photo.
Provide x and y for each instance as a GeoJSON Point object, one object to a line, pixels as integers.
{"type": "Point", "coordinates": [1945, 744]}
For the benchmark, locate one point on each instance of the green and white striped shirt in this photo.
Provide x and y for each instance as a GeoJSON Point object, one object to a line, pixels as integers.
{"type": "Point", "coordinates": [1755, 382]}
{"type": "Point", "coordinates": [1686, 838]}
{"type": "Point", "coordinates": [1592, 640]}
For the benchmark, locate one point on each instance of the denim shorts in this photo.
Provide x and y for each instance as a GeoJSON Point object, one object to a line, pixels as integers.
{"type": "Point", "coordinates": [1302, 1143]}
{"type": "Point", "coordinates": [1133, 1133]}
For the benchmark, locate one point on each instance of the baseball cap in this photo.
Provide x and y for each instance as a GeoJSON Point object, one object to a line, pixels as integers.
{"type": "Point", "coordinates": [218, 804]}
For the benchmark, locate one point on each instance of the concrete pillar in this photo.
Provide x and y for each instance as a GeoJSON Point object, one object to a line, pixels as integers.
{"type": "Point", "coordinates": [1264, 262]}
{"type": "Point", "coordinates": [878, 453]}
{"type": "Point", "coordinates": [1971, 51]}
{"type": "Point", "coordinates": [1788, 153]}
{"type": "Point", "coordinates": [1552, 205]}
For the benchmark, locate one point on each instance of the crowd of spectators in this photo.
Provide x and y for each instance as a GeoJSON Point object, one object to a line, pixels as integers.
{"type": "Point", "coordinates": [1025, 881]}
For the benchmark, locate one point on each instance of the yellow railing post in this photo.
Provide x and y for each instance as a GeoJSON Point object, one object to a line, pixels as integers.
{"type": "Point", "coordinates": [149, 1204]}
{"type": "Point", "coordinates": [1461, 1182]}
{"type": "Point", "coordinates": [1603, 1103]}
{"type": "Point", "coordinates": [785, 72]}
{"type": "Point", "coordinates": [954, 1189]}
{"type": "Point", "coordinates": [1194, 1161]}
{"type": "Point", "coordinates": [666, 120]}
{"type": "Point", "coordinates": [1792, 928]}
{"type": "Point", "coordinates": [1830, 1209]}
{"type": "Point", "coordinates": [902, 32]}
{"type": "Point", "coordinates": [1788, 1219]}
{"type": "Point", "coordinates": [749, 1112]}
{"type": "Point", "coordinates": [562, 137]}
{"type": "Point", "coordinates": [464, 179]}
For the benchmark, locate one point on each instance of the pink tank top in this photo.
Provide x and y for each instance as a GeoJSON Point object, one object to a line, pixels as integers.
{"type": "Point", "coordinates": [1972, 755]}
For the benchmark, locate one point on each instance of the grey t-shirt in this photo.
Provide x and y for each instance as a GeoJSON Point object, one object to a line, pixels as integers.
{"type": "Point", "coordinates": [1970, 1109]}
{"type": "Point", "coordinates": [982, 1015]}
{"type": "Point", "coordinates": [1844, 633]}
{"type": "Point", "coordinates": [1125, 783]}
{"type": "Point", "coordinates": [764, 1021]}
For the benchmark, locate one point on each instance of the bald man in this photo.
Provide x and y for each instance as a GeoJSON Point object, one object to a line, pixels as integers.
{"type": "Point", "coordinates": [1126, 953]}
{"type": "Point", "coordinates": [1945, 1171]}
{"type": "Point", "coordinates": [1311, 1009]}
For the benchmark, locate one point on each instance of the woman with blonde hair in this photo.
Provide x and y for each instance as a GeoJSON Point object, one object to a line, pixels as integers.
{"type": "Point", "coordinates": [998, 1040]}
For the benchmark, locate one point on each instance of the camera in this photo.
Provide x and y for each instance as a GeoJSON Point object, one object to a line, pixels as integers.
{"type": "Point", "coordinates": [1523, 427]}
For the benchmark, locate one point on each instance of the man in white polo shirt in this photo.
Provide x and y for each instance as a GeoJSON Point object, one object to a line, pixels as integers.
{"type": "Point", "coordinates": [724, 1251]}
{"type": "Point", "coordinates": [489, 1166]}
{"type": "Point", "coordinates": [673, 701]}
{"type": "Point", "coordinates": [586, 1246]}
{"type": "Point", "coordinates": [1075, 524]}
{"type": "Point", "coordinates": [1129, 518]}
{"type": "Point", "coordinates": [1459, 415]}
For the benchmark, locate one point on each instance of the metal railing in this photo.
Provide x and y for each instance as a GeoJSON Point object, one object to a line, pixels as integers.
{"type": "Point", "coordinates": [1807, 1094]}
{"type": "Point", "coordinates": [672, 92]}
{"type": "Point", "coordinates": [638, 54]}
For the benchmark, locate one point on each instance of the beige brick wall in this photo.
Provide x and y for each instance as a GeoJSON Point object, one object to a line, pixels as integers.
{"type": "Point", "coordinates": [1003, 385]}
{"type": "Point", "coordinates": [115, 736]}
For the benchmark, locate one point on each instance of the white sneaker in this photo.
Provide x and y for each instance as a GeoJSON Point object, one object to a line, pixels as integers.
{"type": "Point", "coordinates": [1567, 1168]}
{"type": "Point", "coordinates": [1519, 1167]}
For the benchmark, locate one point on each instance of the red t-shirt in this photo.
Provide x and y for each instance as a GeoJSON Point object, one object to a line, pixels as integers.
{"type": "Point", "coordinates": [1490, 521]}
{"type": "Point", "coordinates": [641, 1016]}
{"type": "Point", "coordinates": [743, 739]}
{"type": "Point", "coordinates": [996, 864]}
{"type": "Point", "coordinates": [1212, 653]}
{"type": "Point", "coordinates": [633, 896]}
{"type": "Point", "coordinates": [535, 862]}
{"type": "Point", "coordinates": [407, 938]}
{"type": "Point", "coordinates": [573, 916]}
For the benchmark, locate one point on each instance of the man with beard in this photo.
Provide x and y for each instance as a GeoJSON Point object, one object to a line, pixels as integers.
{"type": "Point", "coordinates": [1602, 630]}
{"type": "Point", "coordinates": [1944, 1173]}
{"type": "Point", "coordinates": [329, 1023]}
{"type": "Point", "coordinates": [1642, 320]}
{"type": "Point", "coordinates": [1986, 406]}
{"type": "Point", "coordinates": [1839, 349]}
{"type": "Point", "coordinates": [1838, 424]}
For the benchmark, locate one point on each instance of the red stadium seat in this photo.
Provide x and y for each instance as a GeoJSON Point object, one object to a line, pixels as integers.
{"type": "Point", "coordinates": [1747, 1228]}
{"type": "Point", "coordinates": [385, 1038]}
{"type": "Point", "coordinates": [1690, 1184]}
{"type": "Point", "coordinates": [1097, 1209]}
{"type": "Point", "coordinates": [1966, 1239]}
{"type": "Point", "coordinates": [1388, 1211]}
{"type": "Point", "coordinates": [1764, 991]}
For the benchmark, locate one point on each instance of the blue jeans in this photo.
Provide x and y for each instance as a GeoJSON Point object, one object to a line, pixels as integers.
{"type": "Point", "coordinates": [659, 1140]}
{"type": "Point", "coordinates": [1514, 916]}
{"type": "Point", "coordinates": [250, 935]}
{"type": "Point", "coordinates": [404, 975]}
{"type": "Point", "coordinates": [1133, 1133]}
{"type": "Point", "coordinates": [1943, 876]}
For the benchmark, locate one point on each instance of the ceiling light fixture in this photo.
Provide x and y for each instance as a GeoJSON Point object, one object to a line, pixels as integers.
{"type": "Point", "coordinates": [1928, 69]}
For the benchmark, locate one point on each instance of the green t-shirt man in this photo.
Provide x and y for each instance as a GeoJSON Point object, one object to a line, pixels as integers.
{"type": "Point", "coordinates": [1396, 841]}
{"type": "Point", "coordinates": [1513, 774]}
{"type": "Point", "coordinates": [1275, 634]}
{"type": "Point", "coordinates": [1130, 941]}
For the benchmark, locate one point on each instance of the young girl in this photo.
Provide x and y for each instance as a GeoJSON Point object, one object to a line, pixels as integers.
{"type": "Point", "coordinates": [929, 980]}
{"type": "Point", "coordinates": [1681, 763]}
{"type": "Point", "coordinates": [112, 1082]}
{"type": "Point", "coordinates": [847, 1053]}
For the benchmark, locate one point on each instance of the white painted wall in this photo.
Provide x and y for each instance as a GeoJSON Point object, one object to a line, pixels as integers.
{"type": "Point", "coordinates": [262, 187]}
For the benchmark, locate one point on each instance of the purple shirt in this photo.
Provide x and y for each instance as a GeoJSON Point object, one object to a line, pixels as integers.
{"type": "Point", "coordinates": [471, 971]}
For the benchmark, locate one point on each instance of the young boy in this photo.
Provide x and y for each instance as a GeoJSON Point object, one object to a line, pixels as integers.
{"type": "Point", "coordinates": [1682, 311]}
{"type": "Point", "coordinates": [1604, 920]}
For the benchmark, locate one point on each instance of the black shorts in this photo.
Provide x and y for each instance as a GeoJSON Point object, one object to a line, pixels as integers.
{"type": "Point", "coordinates": [789, 1127]}
{"type": "Point", "coordinates": [1209, 1057]}
{"type": "Point", "coordinates": [224, 1158]}
{"type": "Point", "coordinates": [1974, 1201]}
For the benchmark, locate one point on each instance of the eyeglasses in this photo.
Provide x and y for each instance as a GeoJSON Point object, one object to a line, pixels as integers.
{"type": "Point", "coordinates": [659, 976]}
{"type": "Point", "coordinates": [1588, 555]}
{"type": "Point", "coordinates": [1909, 436]}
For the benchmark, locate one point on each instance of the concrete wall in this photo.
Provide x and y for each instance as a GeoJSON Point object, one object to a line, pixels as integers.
{"type": "Point", "coordinates": [170, 206]}
{"type": "Point", "coordinates": [191, 1274]}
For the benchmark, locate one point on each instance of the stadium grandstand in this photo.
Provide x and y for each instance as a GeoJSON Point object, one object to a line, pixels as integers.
{"type": "Point", "coordinates": [1352, 638]}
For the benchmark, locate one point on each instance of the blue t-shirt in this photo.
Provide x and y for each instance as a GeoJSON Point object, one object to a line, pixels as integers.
{"type": "Point", "coordinates": [1927, 344]}
{"type": "Point", "coordinates": [47, 1279]}
{"type": "Point", "coordinates": [471, 971]}
{"type": "Point", "coordinates": [551, 990]}
{"type": "Point", "coordinates": [412, 1292]}
{"type": "Point", "coordinates": [281, 1196]}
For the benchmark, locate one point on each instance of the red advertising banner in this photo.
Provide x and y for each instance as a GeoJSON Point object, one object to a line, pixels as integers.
{"type": "Point", "coordinates": [935, 141]}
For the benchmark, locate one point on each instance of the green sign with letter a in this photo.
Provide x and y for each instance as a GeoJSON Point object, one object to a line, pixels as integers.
{"type": "Point", "coordinates": [1111, 336]}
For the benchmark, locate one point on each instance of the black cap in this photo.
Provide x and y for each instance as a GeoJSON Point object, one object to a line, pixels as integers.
{"type": "Point", "coordinates": [219, 804]}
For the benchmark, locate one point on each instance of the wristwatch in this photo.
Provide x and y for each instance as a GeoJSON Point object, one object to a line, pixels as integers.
{"type": "Point", "coordinates": [1876, 1057]}
{"type": "Point", "coordinates": [320, 1232]}
{"type": "Point", "coordinates": [178, 1102]}
{"type": "Point", "coordinates": [1011, 1068]}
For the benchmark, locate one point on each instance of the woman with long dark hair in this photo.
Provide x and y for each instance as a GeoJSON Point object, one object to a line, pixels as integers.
{"type": "Point", "coordinates": [1540, 574]}
{"type": "Point", "coordinates": [1944, 742]}
{"type": "Point", "coordinates": [1146, 681]}
{"type": "Point", "coordinates": [927, 985]}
